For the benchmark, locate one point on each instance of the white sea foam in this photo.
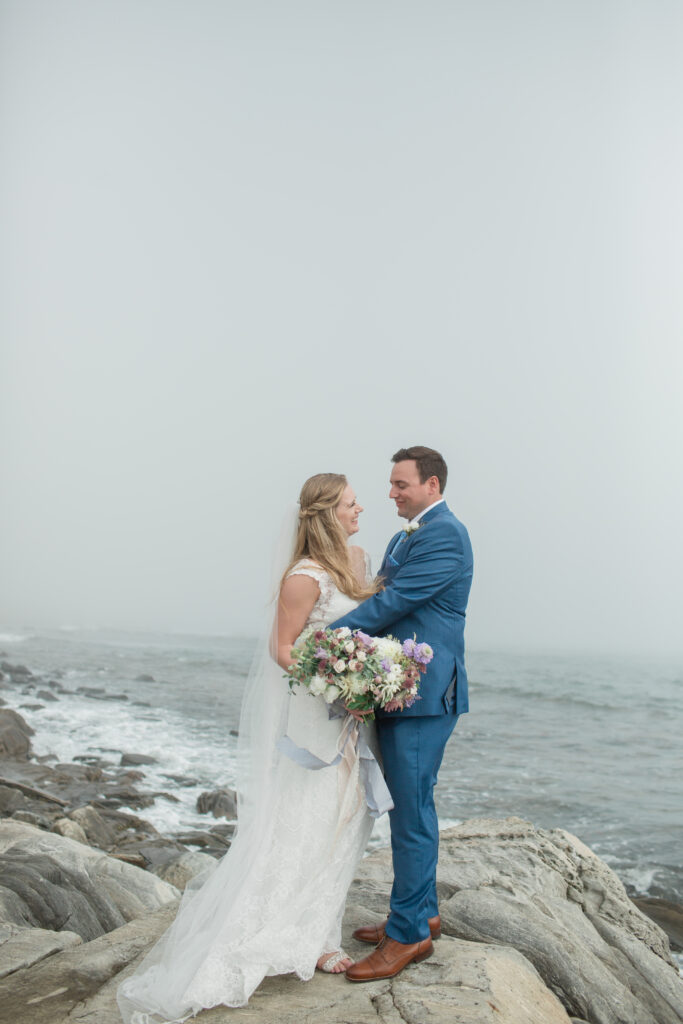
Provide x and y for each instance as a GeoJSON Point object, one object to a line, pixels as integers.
{"type": "Point", "coordinates": [13, 638]}
{"type": "Point", "coordinates": [75, 725]}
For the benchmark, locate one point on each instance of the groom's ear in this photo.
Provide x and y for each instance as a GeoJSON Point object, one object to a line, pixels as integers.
{"type": "Point", "coordinates": [433, 485]}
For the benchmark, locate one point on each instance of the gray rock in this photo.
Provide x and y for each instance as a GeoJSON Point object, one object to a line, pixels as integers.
{"type": "Point", "coordinates": [465, 982]}
{"type": "Point", "coordinates": [180, 871]}
{"type": "Point", "coordinates": [96, 829]}
{"type": "Point", "coordinates": [135, 759]}
{"type": "Point", "coordinates": [550, 897]}
{"type": "Point", "coordinates": [144, 677]}
{"type": "Point", "coordinates": [48, 991]}
{"type": "Point", "coordinates": [50, 881]}
{"type": "Point", "coordinates": [38, 820]}
{"type": "Point", "coordinates": [127, 796]}
{"type": "Point", "coordinates": [70, 829]}
{"type": "Point", "coordinates": [212, 842]}
{"type": "Point", "coordinates": [46, 695]}
{"type": "Point", "coordinates": [20, 672]}
{"type": "Point", "coordinates": [15, 735]}
{"type": "Point", "coordinates": [541, 890]}
{"type": "Point", "coordinates": [668, 915]}
{"type": "Point", "coordinates": [222, 803]}
{"type": "Point", "coordinates": [24, 947]}
{"type": "Point", "coordinates": [11, 800]}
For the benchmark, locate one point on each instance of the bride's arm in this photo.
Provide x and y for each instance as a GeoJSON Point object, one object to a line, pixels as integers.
{"type": "Point", "coordinates": [298, 594]}
{"type": "Point", "coordinates": [359, 563]}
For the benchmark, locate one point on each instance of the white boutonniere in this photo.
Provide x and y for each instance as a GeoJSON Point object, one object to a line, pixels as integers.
{"type": "Point", "coordinates": [411, 528]}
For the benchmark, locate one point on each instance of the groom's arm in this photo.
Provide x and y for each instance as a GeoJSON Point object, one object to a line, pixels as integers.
{"type": "Point", "coordinates": [431, 567]}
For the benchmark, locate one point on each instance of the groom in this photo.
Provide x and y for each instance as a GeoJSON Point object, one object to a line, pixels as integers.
{"type": "Point", "coordinates": [427, 572]}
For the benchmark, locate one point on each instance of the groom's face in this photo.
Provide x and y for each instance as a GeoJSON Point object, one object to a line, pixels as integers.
{"type": "Point", "coordinates": [407, 490]}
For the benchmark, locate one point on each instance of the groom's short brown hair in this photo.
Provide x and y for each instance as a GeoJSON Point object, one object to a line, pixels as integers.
{"type": "Point", "coordinates": [429, 463]}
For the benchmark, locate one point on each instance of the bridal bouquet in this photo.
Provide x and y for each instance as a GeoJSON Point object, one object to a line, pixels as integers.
{"type": "Point", "coordinates": [361, 672]}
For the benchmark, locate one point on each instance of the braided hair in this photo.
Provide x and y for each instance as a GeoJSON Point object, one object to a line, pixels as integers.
{"type": "Point", "coordinates": [320, 536]}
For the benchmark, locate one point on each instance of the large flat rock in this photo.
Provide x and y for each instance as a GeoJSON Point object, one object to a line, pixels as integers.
{"type": "Point", "coordinates": [537, 931]}
{"type": "Point", "coordinates": [467, 982]}
{"type": "Point", "coordinates": [23, 947]}
{"type": "Point", "coordinates": [53, 882]}
{"type": "Point", "coordinates": [547, 895]}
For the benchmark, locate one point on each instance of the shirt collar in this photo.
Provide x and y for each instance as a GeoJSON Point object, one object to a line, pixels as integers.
{"type": "Point", "coordinates": [424, 511]}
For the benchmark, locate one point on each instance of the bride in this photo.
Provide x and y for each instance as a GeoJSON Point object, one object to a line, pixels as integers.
{"type": "Point", "coordinates": [274, 903]}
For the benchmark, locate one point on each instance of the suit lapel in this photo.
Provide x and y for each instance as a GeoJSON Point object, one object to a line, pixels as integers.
{"type": "Point", "coordinates": [390, 547]}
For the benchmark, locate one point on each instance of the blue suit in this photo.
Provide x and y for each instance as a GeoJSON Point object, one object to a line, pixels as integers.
{"type": "Point", "coordinates": [427, 577]}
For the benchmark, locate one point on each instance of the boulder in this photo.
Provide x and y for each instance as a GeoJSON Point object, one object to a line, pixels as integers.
{"type": "Point", "coordinates": [15, 733]}
{"type": "Point", "coordinates": [24, 947]}
{"type": "Point", "coordinates": [32, 819]}
{"type": "Point", "coordinates": [46, 992]}
{"type": "Point", "coordinates": [96, 829]}
{"type": "Point", "coordinates": [668, 915]}
{"type": "Point", "coordinates": [136, 759]}
{"type": "Point", "coordinates": [222, 803]}
{"type": "Point", "coordinates": [181, 870]}
{"type": "Point", "coordinates": [50, 881]}
{"type": "Point", "coordinates": [551, 898]}
{"type": "Point", "coordinates": [70, 829]}
{"type": "Point", "coordinates": [11, 800]}
{"type": "Point", "coordinates": [18, 672]}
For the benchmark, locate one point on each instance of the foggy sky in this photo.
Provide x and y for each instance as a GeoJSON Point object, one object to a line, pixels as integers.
{"type": "Point", "coordinates": [247, 242]}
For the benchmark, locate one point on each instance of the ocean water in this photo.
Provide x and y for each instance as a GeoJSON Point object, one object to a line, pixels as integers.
{"type": "Point", "coordinates": [588, 744]}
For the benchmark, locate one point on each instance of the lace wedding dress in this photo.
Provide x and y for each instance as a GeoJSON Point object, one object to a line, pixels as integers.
{"type": "Point", "coordinates": [274, 904]}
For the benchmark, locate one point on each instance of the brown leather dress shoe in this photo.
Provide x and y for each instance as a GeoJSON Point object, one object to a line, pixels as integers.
{"type": "Point", "coordinates": [374, 933]}
{"type": "Point", "coordinates": [388, 959]}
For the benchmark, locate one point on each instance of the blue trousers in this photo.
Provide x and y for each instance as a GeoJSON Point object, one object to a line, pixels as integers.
{"type": "Point", "coordinates": [412, 750]}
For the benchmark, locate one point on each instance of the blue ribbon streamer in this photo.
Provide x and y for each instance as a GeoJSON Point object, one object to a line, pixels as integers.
{"type": "Point", "coordinates": [377, 795]}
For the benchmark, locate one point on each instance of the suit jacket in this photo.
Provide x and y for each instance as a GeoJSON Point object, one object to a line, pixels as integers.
{"type": "Point", "coordinates": [427, 578]}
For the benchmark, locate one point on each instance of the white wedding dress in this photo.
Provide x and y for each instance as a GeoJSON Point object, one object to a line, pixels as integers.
{"type": "Point", "coordinates": [274, 904]}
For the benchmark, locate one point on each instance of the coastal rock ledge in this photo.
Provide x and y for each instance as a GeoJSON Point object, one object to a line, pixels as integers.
{"type": "Point", "coordinates": [537, 930]}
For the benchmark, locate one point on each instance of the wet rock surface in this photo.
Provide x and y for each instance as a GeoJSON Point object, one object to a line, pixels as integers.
{"type": "Point", "coordinates": [221, 803]}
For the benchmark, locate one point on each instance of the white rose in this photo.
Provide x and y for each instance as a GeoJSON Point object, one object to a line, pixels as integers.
{"type": "Point", "coordinates": [340, 665]}
{"type": "Point", "coordinates": [349, 647]}
{"type": "Point", "coordinates": [361, 656]}
{"type": "Point", "coordinates": [343, 632]}
{"type": "Point", "coordinates": [331, 693]}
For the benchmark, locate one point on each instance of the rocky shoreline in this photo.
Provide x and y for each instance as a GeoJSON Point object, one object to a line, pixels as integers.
{"type": "Point", "coordinates": [537, 929]}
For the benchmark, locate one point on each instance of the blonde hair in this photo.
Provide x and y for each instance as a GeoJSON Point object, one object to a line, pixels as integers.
{"type": "Point", "coordinates": [321, 538]}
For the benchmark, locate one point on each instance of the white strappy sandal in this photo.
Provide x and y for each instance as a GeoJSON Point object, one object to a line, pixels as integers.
{"type": "Point", "coordinates": [333, 959]}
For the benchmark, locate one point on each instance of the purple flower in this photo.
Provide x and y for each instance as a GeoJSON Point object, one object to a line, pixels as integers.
{"type": "Point", "coordinates": [364, 638]}
{"type": "Point", "coordinates": [320, 653]}
{"type": "Point", "coordinates": [409, 647]}
{"type": "Point", "coordinates": [423, 654]}
{"type": "Point", "coordinates": [387, 664]}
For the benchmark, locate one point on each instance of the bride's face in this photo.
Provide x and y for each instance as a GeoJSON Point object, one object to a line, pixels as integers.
{"type": "Point", "coordinates": [348, 511]}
